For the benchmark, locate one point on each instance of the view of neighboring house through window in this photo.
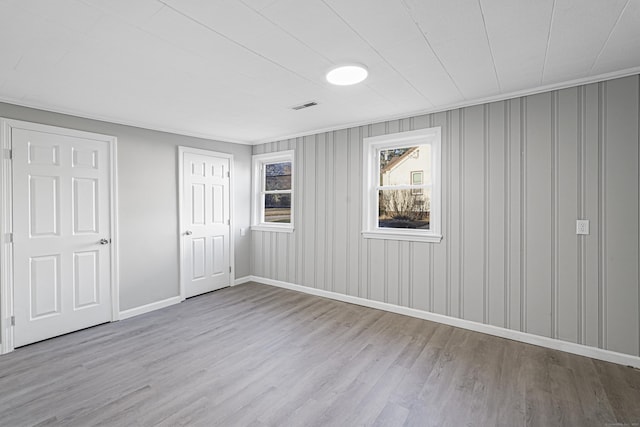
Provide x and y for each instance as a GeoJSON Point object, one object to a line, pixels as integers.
{"type": "Point", "coordinates": [402, 186]}
{"type": "Point", "coordinates": [273, 191]}
{"type": "Point", "coordinates": [404, 198]}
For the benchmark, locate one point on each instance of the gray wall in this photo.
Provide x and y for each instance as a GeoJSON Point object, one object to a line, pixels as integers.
{"type": "Point", "coordinates": [148, 202]}
{"type": "Point", "coordinates": [516, 176]}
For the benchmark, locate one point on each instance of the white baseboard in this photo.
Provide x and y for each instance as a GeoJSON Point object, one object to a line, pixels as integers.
{"type": "Point", "coordinates": [241, 280]}
{"type": "Point", "coordinates": [569, 347]}
{"type": "Point", "coordinates": [149, 307]}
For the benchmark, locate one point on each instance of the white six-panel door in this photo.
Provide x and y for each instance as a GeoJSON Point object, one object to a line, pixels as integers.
{"type": "Point", "coordinates": [61, 234]}
{"type": "Point", "coordinates": [205, 223]}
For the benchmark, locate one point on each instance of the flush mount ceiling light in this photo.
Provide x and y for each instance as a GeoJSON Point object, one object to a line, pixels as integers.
{"type": "Point", "coordinates": [347, 75]}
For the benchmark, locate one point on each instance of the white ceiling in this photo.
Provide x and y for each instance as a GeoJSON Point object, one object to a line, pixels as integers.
{"type": "Point", "coordinates": [232, 70]}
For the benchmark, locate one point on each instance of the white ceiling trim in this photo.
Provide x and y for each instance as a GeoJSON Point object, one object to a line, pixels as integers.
{"type": "Point", "coordinates": [183, 132]}
{"type": "Point", "coordinates": [468, 103]}
{"type": "Point", "coordinates": [132, 123]}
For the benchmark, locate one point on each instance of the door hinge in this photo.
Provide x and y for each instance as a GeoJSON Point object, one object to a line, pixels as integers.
{"type": "Point", "coordinates": [13, 320]}
{"type": "Point", "coordinates": [8, 237]}
{"type": "Point", "coordinates": [8, 154]}
{"type": "Point", "coordinates": [229, 269]}
{"type": "Point", "coordinates": [228, 222]}
{"type": "Point", "coordinates": [228, 174]}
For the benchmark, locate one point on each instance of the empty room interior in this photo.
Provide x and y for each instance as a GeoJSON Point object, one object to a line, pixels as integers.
{"type": "Point", "coordinates": [319, 213]}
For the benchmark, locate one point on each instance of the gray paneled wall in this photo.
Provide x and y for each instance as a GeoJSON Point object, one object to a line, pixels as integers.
{"type": "Point", "coordinates": [516, 176]}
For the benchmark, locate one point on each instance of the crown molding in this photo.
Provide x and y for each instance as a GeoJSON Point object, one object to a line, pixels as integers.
{"type": "Point", "coordinates": [467, 103]}
{"type": "Point", "coordinates": [112, 120]}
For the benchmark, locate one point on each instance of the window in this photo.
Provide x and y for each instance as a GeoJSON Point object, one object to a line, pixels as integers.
{"type": "Point", "coordinates": [416, 179]}
{"type": "Point", "coordinates": [402, 186]}
{"type": "Point", "coordinates": [273, 191]}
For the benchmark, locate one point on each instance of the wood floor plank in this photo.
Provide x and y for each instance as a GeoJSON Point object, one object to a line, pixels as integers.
{"type": "Point", "coordinates": [256, 355]}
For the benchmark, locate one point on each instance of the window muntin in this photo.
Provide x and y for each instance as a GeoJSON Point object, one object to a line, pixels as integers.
{"type": "Point", "coordinates": [402, 193]}
{"type": "Point", "coordinates": [273, 191]}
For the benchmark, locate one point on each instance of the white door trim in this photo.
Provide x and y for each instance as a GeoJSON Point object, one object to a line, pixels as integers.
{"type": "Point", "coordinates": [181, 151]}
{"type": "Point", "coordinates": [6, 225]}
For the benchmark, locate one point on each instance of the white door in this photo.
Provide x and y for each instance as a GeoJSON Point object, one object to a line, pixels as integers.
{"type": "Point", "coordinates": [61, 234]}
{"type": "Point", "coordinates": [205, 223]}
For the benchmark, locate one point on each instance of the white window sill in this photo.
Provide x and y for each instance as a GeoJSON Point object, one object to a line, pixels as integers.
{"type": "Point", "coordinates": [405, 236]}
{"type": "Point", "coordinates": [276, 228]}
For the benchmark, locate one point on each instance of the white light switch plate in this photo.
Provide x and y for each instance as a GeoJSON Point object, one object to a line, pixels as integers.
{"type": "Point", "coordinates": [582, 226]}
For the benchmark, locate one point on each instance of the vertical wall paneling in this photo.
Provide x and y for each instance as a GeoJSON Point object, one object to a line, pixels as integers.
{"type": "Point", "coordinates": [507, 213]}
{"type": "Point", "coordinates": [554, 214]}
{"type": "Point", "coordinates": [453, 200]}
{"type": "Point", "coordinates": [473, 214]}
{"type": "Point", "coordinates": [420, 277]}
{"type": "Point", "coordinates": [461, 209]}
{"type": "Point", "coordinates": [308, 219]}
{"type": "Point", "coordinates": [256, 242]}
{"type": "Point", "coordinates": [392, 258]}
{"type": "Point", "coordinates": [342, 209]}
{"type": "Point", "coordinates": [299, 180]}
{"type": "Point", "coordinates": [515, 218]}
{"type": "Point", "coordinates": [602, 229]}
{"type": "Point", "coordinates": [354, 278]}
{"type": "Point", "coordinates": [365, 244]}
{"type": "Point", "coordinates": [329, 207]}
{"type": "Point", "coordinates": [486, 190]}
{"type": "Point", "coordinates": [523, 214]}
{"type": "Point", "coordinates": [592, 212]}
{"type": "Point", "coordinates": [566, 213]}
{"type": "Point", "coordinates": [580, 210]}
{"type": "Point", "coordinates": [321, 211]}
{"type": "Point", "coordinates": [282, 243]}
{"type": "Point", "coordinates": [495, 215]}
{"type": "Point", "coordinates": [538, 211]}
{"type": "Point", "coordinates": [516, 175]}
{"type": "Point", "coordinates": [448, 189]}
{"type": "Point", "coordinates": [439, 262]}
{"type": "Point", "coordinates": [620, 231]}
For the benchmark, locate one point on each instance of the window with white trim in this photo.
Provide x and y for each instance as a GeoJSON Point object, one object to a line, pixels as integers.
{"type": "Point", "coordinates": [273, 191]}
{"type": "Point", "coordinates": [402, 193]}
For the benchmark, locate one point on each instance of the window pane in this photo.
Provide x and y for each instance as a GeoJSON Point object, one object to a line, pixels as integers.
{"type": "Point", "coordinates": [403, 209]}
{"type": "Point", "coordinates": [397, 164]}
{"type": "Point", "coordinates": [416, 179]}
{"type": "Point", "coordinates": [277, 208]}
{"type": "Point", "coordinates": [278, 176]}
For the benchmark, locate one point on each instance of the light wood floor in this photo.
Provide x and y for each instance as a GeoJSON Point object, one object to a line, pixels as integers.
{"type": "Point", "coordinates": [255, 355]}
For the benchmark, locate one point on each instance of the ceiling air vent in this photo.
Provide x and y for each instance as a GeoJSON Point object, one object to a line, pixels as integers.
{"type": "Point", "coordinates": [307, 105]}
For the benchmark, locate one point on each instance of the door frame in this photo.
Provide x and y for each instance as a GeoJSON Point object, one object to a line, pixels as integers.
{"type": "Point", "coordinates": [182, 150]}
{"type": "Point", "coordinates": [6, 225]}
